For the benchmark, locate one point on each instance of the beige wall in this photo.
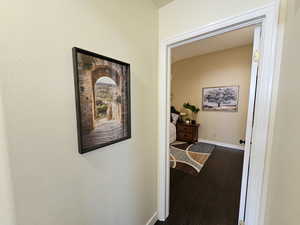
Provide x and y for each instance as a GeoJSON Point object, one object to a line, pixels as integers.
{"type": "Point", "coordinates": [53, 184]}
{"type": "Point", "coordinates": [284, 183]}
{"type": "Point", "coordinates": [223, 68]}
{"type": "Point", "coordinates": [161, 3]}
{"type": "Point", "coordinates": [185, 15]}
{"type": "Point", "coordinates": [7, 213]}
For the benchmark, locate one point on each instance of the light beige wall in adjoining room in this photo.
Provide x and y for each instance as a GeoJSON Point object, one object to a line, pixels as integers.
{"type": "Point", "coordinates": [52, 183]}
{"type": "Point", "coordinates": [231, 67]}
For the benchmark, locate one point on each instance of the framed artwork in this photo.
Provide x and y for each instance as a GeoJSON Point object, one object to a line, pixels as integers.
{"type": "Point", "coordinates": [102, 89]}
{"type": "Point", "coordinates": [220, 98]}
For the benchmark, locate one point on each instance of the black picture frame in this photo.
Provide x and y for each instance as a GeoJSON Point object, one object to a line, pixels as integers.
{"type": "Point", "coordinates": [86, 104]}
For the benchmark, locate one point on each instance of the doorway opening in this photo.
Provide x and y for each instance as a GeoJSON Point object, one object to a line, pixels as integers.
{"type": "Point", "coordinates": [260, 93]}
{"type": "Point", "coordinates": [211, 105]}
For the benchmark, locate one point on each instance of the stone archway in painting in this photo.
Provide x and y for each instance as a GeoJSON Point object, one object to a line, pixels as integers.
{"type": "Point", "coordinates": [107, 100]}
{"type": "Point", "coordinates": [103, 119]}
{"type": "Point", "coordinates": [112, 125]}
{"type": "Point", "coordinates": [107, 91]}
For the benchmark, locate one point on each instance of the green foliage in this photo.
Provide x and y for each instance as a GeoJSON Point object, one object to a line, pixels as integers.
{"type": "Point", "coordinates": [101, 110]}
{"type": "Point", "coordinates": [193, 108]}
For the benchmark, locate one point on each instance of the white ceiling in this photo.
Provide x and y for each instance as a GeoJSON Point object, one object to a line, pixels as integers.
{"type": "Point", "coordinates": [217, 43]}
{"type": "Point", "coordinates": [161, 3]}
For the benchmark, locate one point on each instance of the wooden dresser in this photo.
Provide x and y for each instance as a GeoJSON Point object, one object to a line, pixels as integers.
{"type": "Point", "coordinates": [187, 132]}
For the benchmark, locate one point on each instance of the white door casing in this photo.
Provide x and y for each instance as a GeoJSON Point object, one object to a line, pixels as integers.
{"type": "Point", "coordinates": [250, 119]}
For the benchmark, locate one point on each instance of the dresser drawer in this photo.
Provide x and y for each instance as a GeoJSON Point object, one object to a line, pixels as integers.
{"type": "Point", "coordinates": [185, 129]}
{"type": "Point", "coordinates": [185, 136]}
{"type": "Point", "coordinates": [186, 132]}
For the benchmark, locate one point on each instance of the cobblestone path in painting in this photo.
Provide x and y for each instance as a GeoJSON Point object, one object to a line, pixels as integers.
{"type": "Point", "coordinates": [105, 131]}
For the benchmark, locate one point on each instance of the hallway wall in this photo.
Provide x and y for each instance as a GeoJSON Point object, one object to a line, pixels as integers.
{"type": "Point", "coordinates": [181, 15]}
{"type": "Point", "coordinates": [7, 211]}
{"type": "Point", "coordinates": [283, 194]}
{"type": "Point", "coordinates": [52, 183]}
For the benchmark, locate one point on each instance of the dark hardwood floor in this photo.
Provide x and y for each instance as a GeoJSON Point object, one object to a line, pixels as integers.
{"type": "Point", "coordinates": [211, 197]}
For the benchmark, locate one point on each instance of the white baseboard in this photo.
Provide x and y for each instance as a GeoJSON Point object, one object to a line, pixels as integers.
{"type": "Point", "coordinates": [152, 220]}
{"type": "Point", "coordinates": [239, 147]}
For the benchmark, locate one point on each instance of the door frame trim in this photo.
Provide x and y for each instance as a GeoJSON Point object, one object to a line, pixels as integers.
{"type": "Point", "coordinates": [267, 16]}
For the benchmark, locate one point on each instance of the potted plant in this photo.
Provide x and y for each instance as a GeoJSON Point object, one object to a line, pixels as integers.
{"type": "Point", "coordinates": [193, 109]}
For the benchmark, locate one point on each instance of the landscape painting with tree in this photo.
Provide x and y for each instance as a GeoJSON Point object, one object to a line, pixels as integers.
{"type": "Point", "coordinates": [102, 99]}
{"type": "Point", "coordinates": [220, 99]}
